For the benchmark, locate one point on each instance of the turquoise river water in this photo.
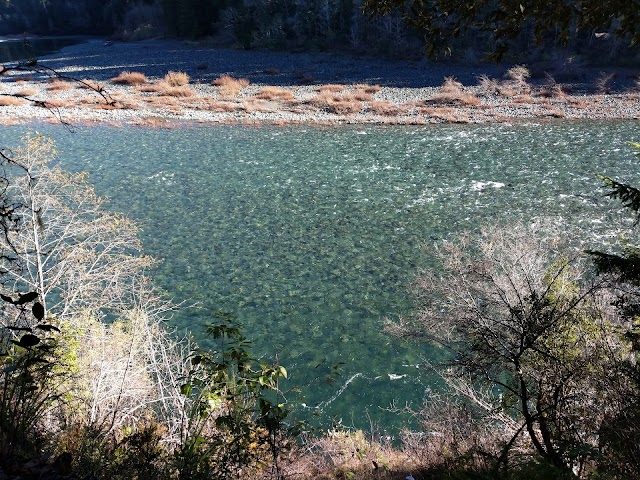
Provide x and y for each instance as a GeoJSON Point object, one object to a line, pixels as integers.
{"type": "Point", "coordinates": [311, 236]}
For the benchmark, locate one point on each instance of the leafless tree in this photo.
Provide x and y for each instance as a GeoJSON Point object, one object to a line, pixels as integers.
{"type": "Point", "coordinates": [533, 345]}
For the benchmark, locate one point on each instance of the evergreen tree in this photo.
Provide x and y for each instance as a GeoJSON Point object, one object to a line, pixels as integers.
{"type": "Point", "coordinates": [619, 436]}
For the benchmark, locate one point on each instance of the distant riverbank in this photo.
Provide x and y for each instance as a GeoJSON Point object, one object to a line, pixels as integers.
{"type": "Point", "coordinates": [256, 87]}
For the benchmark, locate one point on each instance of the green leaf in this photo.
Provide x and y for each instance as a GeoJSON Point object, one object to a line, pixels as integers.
{"type": "Point", "coordinates": [283, 372]}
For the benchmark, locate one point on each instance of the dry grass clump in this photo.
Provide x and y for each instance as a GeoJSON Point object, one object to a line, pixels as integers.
{"type": "Point", "coordinates": [90, 85]}
{"type": "Point", "coordinates": [382, 107]}
{"type": "Point", "coordinates": [578, 102]}
{"type": "Point", "coordinates": [275, 93]}
{"type": "Point", "coordinates": [488, 86]}
{"type": "Point", "coordinates": [603, 82]}
{"type": "Point", "coordinates": [27, 92]}
{"type": "Point", "coordinates": [367, 88]}
{"type": "Point", "coordinates": [9, 100]}
{"type": "Point", "coordinates": [350, 455]}
{"type": "Point", "coordinates": [130, 78]}
{"type": "Point", "coordinates": [524, 100]}
{"type": "Point", "coordinates": [452, 92]}
{"type": "Point", "coordinates": [552, 89]}
{"type": "Point", "coordinates": [181, 92]}
{"type": "Point", "coordinates": [57, 103]}
{"type": "Point", "coordinates": [176, 79]}
{"type": "Point", "coordinates": [519, 74]}
{"type": "Point", "coordinates": [57, 85]}
{"type": "Point", "coordinates": [229, 86]}
{"type": "Point", "coordinates": [152, 87]}
{"type": "Point", "coordinates": [362, 96]}
{"type": "Point", "coordinates": [331, 88]}
{"type": "Point", "coordinates": [517, 82]}
{"type": "Point", "coordinates": [336, 103]}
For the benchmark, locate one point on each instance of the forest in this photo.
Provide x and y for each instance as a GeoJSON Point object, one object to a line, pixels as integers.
{"type": "Point", "coordinates": [377, 27]}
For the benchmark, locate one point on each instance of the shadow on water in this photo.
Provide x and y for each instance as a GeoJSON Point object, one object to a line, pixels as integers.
{"type": "Point", "coordinates": [17, 49]}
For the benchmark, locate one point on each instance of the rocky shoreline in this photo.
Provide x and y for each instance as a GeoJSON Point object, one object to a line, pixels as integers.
{"type": "Point", "coordinates": [306, 88]}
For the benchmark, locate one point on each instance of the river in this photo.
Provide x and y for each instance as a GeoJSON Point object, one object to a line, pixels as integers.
{"type": "Point", "coordinates": [310, 236]}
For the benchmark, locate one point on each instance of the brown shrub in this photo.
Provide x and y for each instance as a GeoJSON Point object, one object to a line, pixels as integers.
{"type": "Point", "coordinates": [335, 103]}
{"type": "Point", "coordinates": [90, 85]}
{"type": "Point", "coordinates": [451, 92]}
{"type": "Point", "coordinates": [56, 103]}
{"type": "Point", "coordinates": [603, 82]}
{"type": "Point", "coordinates": [275, 93]}
{"type": "Point", "coordinates": [451, 85]}
{"type": "Point", "coordinates": [524, 100]}
{"type": "Point", "coordinates": [27, 92]}
{"type": "Point", "coordinates": [8, 100]}
{"type": "Point", "coordinates": [130, 78]}
{"type": "Point", "coordinates": [368, 88]}
{"type": "Point", "coordinates": [578, 102]}
{"type": "Point", "coordinates": [331, 88]}
{"type": "Point", "coordinates": [183, 91]}
{"type": "Point", "coordinates": [106, 106]}
{"type": "Point", "coordinates": [384, 108]}
{"type": "Point", "coordinates": [488, 86]}
{"type": "Point", "coordinates": [350, 455]}
{"type": "Point", "coordinates": [229, 86]}
{"type": "Point", "coordinates": [362, 96]}
{"type": "Point", "coordinates": [518, 76]}
{"type": "Point", "coordinates": [152, 87]}
{"type": "Point", "coordinates": [57, 85]}
{"type": "Point", "coordinates": [176, 79]}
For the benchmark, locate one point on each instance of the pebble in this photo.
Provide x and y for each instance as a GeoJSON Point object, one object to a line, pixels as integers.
{"type": "Point", "coordinates": [408, 85]}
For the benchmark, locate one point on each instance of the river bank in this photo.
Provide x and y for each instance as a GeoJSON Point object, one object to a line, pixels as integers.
{"type": "Point", "coordinates": [255, 87]}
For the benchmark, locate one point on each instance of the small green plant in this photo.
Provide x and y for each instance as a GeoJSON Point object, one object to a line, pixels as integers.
{"type": "Point", "coordinates": [31, 377]}
{"type": "Point", "coordinates": [235, 417]}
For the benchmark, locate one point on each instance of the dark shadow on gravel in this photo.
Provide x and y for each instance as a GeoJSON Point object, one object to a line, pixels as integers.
{"type": "Point", "coordinates": [103, 60]}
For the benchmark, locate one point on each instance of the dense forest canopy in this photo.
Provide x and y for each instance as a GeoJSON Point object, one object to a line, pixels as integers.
{"type": "Point", "coordinates": [557, 21]}
{"type": "Point", "coordinates": [64, 16]}
{"type": "Point", "coordinates": [391, 27]}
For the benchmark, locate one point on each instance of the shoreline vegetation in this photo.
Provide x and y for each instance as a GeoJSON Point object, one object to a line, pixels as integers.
{"type": "Point", "coordinates": [142, 406]}
{"type": "Point", "coordinates": [166, 83]}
